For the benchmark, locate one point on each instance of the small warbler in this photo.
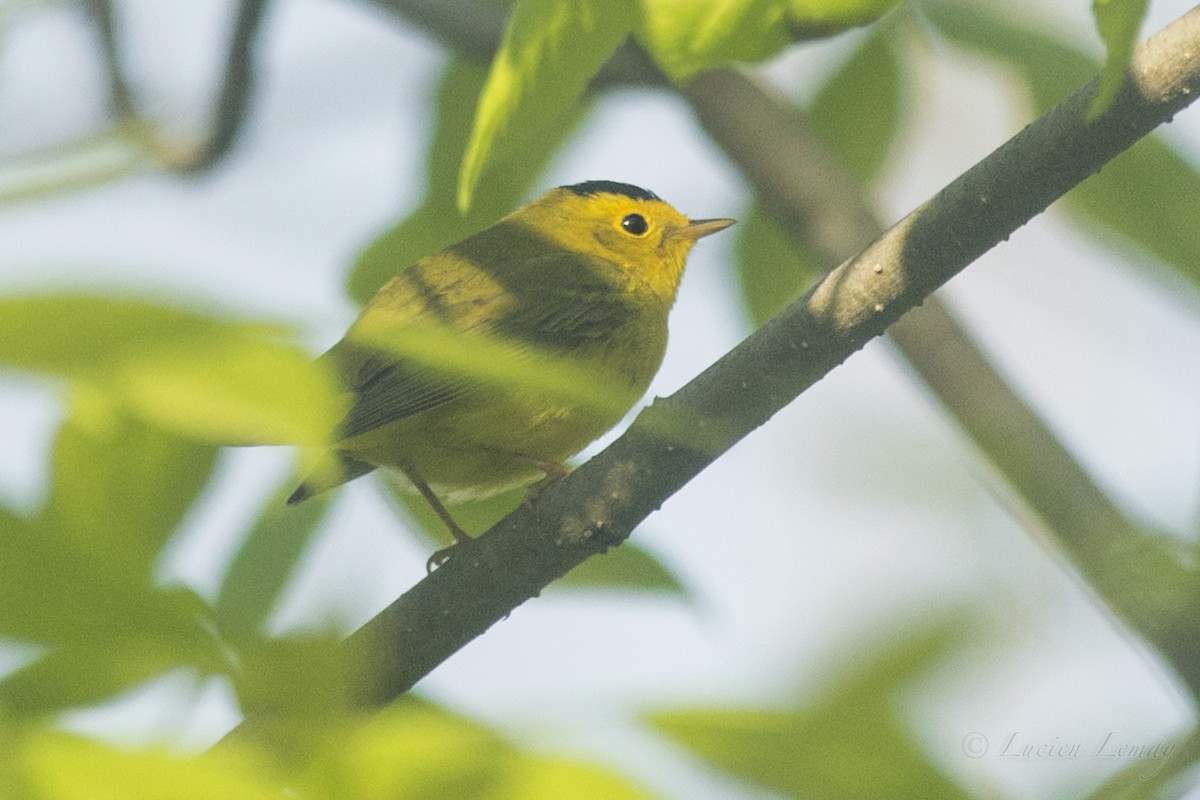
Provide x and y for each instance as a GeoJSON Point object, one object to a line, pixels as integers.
{"type": "Point", "coordinates": [583, 276]}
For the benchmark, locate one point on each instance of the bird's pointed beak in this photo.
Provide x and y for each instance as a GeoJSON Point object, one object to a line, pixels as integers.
{"type": "Point", "coordinates": [698, 228]}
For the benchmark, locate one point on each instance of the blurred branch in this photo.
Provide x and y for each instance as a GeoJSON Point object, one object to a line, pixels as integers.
{"type": "Point", "coordinates": [120, 98]}
{"type": "Point", "coordinates": [473, 30]}
{"type": "Point", "coordinates": [237, 86]}
{"type": "Point", "coordinates": [468, 27]}
{"type": "Point", "coordinates": [231, 105]}
{"type": "Point", "coordinates": [600, 504]}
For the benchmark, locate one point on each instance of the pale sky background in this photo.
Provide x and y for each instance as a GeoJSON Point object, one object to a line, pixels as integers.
{"type": "Point", "coordinates": [794, 565]}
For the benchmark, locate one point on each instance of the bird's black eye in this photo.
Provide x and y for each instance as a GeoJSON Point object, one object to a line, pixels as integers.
{"type": "Point", "coordinates": [634, 224]}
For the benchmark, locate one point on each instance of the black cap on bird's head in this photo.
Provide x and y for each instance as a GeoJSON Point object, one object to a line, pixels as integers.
{"type": "Point", "coordinates": [611, 187]}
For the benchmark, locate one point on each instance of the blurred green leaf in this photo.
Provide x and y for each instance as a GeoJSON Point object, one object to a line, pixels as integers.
{"type": "Point", "coordinates": [849, 744]}
{"type": "Point", "coordinates": [772, 270]}
{"type": "Point", "coordinates": [437, 223]}
{"type": "Point", "coordinates": [814, 18]}
{"type": "Point", "coordinates": [55, 592]}
{"type": "Point", "coordinates": [166, 630]}
{"type": "Point", "coordinates": [80, 578]}
{"type": "Point", "coordinates": [235, 390]}
{"type": "Point", "coordinates": [57, 766]}
{"type": "Point", "coordinates": [1118, 22]}
{"type": "Point", "coordinates": [549, 52]}
{"type": "Point", "coordinates": [412, 750]}
{"type": "Point", "coordinates": [228, 382]}
{"type": "Point", "coordinates": [689, 36]}
{"type": "Point", "coordinates": [1048, 67]}
{"type": "Point", "coordinates": [1146, 196]}
{"type": "Point", "coordinates": [265, 563]}
{"type": "Point", "coordinates": [119, 489]}
{"type": "Point", "coordinates": [420, 752]}
{"type": "Point", "coordinates": [536, 777]}
{"type": "Point", "coordinates": [293, 690]}
{"type": "Point", "coordinates": [68, 336]}
{"type": "Point", "coordinates": [626, 567]}
{"type": "Point", "coordinates": [492, 360]}
{"type": "Point", "coordinates": [857, 111]}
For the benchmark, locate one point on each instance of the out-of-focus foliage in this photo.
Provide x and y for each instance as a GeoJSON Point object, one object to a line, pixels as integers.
{"type": "Point", "coordinates": [200, 376]}
{"type": "Point", "coordinates": [850, 743]}
{"type": "Point", "coordinates": [688, 36]}
{"type": "Point", "coordinates": [550, 51]}
{"type": "Point", "coordinates": [1118, 22]}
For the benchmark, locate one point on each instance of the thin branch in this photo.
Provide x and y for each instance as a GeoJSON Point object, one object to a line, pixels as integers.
{"type": "Point", "coordinates": [600, 504]}
{"type": "Point", "coordinates": [120, 97]}
{"type": "Point", "coordinates": [229, 109]}
{"type": "Point", "coordinates": [237, 87]}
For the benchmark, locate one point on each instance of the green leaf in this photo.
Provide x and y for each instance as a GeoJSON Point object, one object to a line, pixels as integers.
{"type": "Point", "coordinates": [689, 36]}
{"type": "Point", "coordinates": [120, 488]}
{"type": "Point", "coordinates": [56, 587]}
{"type": "Point", "coordinates": [70, 335]}
{"type": "Point", "coordinates": [417, 750]}
{"type": "Point", "coordinates": [57, 766]}
{"type": "Point", "coordinates": [550, 50]}
{"type": "Point", "coordinates": [536, 777]}
{"type": "Point", "coordinates": [857, 111]}
{"type": "Point", "coordinates": [1049, 68]}
{"type": "Point", "coordinates": [160, 630]}
{"type": "Point", "coordinates": [297, 683]}
{"type": "Point", "coordinates": [234, 389]}
{"type": "Point", "coordinates": [214, 379]}
{"type": "Point", "coordinates": [410, 750]}
{"type": "Point", "coordinates": [814, 18]}
{"type": "Point", "coordinates": [627, 567]}
{"type": "Point", "coordinates": [265, 562]}
{"type": "Point", "coordinates": [772, 270]}
{"type": "Point", "coordinates": [849, 744]}
{"type": "Point", "coordinates": [1118, 22]}
{"type": "Point", "coordinates": [437, 222]}
{"type": "Point", "coordinates": [1146, 196]}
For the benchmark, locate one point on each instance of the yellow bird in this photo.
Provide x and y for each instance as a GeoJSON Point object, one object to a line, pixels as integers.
{"type": "Point", "coordinates": [586, 274]}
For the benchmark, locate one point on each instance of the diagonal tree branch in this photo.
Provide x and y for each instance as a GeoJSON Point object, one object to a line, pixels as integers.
{"type": "Point", "coordinates": [802, 186]}
{"type": "Point", "coordinates": [600, 504]}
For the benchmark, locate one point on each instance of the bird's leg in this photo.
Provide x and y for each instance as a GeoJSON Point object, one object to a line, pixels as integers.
{"type": "Point", "coordinates": [460, 536]}
{"type": "Point", "coordinates": [553, 471]}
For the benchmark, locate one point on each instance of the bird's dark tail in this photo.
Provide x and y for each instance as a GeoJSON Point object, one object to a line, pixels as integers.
{"type": "Point", "coordinates": [351, 468]}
